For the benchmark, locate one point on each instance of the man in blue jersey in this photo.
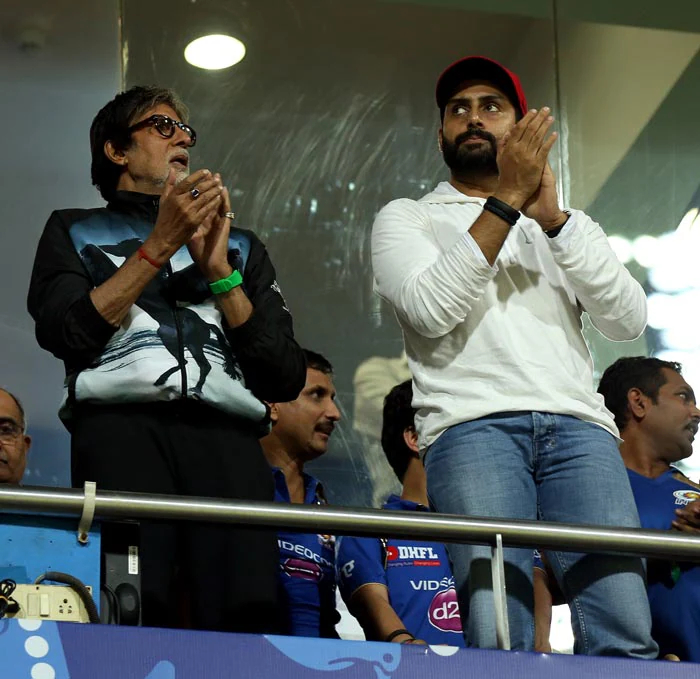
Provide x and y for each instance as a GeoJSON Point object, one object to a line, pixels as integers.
{"type": "Point", "coordinates": [657, 414]}
{"type": "Point", "coordinates": [401, 590]}
{"type": "Point", "coordinates": [300, 433]}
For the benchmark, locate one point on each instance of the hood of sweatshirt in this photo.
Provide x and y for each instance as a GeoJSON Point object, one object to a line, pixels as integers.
{"type": "Point", "coordinates": [444, 193]}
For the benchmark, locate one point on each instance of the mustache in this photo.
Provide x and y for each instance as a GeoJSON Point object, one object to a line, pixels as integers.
{"type": "Point", "coordinates": [326, 427]}
{"type": "Point", "coordinates": [474, 132]}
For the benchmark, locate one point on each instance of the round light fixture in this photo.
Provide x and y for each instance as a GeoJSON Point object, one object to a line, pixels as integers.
{"type": "Point", "coordinates": [661, 310]}
{"type": "Point", "coordinates": [214, 52]}
{"type": "Point", "coordinates": [689, 221]}
{"type": "Point", "coordinates": [622, 247]}
{"type": "Point", "coordinates": [645, 251]}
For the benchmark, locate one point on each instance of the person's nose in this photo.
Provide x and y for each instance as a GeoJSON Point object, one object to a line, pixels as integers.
{"type": "Point", "coordinates": [475, 119]}
{"type": "Point", "coordinates": [332, 412]}
{"type": "Point", "coordinates": [181, 139]}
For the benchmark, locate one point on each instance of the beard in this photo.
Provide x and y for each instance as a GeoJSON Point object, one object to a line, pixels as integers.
{"type": "Point", "coordinates": [469, 161]}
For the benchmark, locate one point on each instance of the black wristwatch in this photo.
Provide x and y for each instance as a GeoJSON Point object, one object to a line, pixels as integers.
{"type": "Point", "coordinates": [553, 233]}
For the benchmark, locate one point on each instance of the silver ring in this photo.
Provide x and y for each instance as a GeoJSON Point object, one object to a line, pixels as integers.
{"type": "Point", "coordinates": [194, 193]}
{"type": "Point", "coordinates": [230, 215]}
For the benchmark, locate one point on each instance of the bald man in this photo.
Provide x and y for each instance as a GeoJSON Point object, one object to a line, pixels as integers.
{"type": "Point", "coordinates": [14, 441]}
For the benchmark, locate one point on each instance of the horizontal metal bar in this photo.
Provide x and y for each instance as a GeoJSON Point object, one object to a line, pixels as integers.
{"type": "Point", "coordinates": [354, 521]}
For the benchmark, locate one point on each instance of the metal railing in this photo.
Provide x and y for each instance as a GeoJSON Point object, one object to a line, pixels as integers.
{"type": "Point", "coordinates": [353, 521]}
{"type": "Point", "coordinates": [356, 521]}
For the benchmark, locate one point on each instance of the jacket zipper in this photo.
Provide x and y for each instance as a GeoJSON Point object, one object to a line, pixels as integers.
{"type": "Point", "coordinates": [180, 343]}
{"type": "Point", "coordinates": [176, 316]}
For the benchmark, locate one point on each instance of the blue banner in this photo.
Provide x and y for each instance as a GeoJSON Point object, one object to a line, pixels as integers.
{"type": "Point", "coordinates": [49, 650]}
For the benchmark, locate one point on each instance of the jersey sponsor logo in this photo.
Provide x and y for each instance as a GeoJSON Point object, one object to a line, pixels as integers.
{"type": "Point", "coordinates": [304, 552]}
{"type": "Point", "coordinates": [684, 497]}
{"type": "Point", "coordinates": [302, 569]}
{"type": "Point", "coordinates": [348, 568]}
{"type": "Point", "coordinates": [392, 553]}
{"type": "Point", "coordinates": [416, 556]}
{"type": "Point", "coordinates": [432, 585]}
{"type": "Point", "coordinates": [443, 612]}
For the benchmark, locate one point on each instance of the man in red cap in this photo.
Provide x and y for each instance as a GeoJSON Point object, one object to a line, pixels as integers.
{"type": "Point", "coordinates": [489, 278]}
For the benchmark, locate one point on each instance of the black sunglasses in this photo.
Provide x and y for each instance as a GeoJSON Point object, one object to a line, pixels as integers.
{"type": "Point", "coordinates": [165, 126]}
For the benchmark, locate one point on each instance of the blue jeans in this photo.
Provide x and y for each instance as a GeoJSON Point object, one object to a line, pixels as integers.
{"type": "Point", "coordinates": [531, 465]}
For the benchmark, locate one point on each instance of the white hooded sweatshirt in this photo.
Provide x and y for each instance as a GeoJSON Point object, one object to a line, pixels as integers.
{"type": "Point", "coordinates": [482, 340]}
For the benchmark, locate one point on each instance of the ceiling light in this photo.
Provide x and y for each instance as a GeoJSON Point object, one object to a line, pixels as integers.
{"type": "Point", "coordinates": [675, 267]}
{"type": "Point", "coordinates": [622, 247]}
{"type": "Point", "coordinates": [689, 222]}
{"type": "Point", "coordinates": [661, 311]}
{"type": "Point", "coordinates": [214, 52]}
{"type": "Point", "coordinates": [681, 337]}
{"type": "Point", "coordinates": [645, 251]}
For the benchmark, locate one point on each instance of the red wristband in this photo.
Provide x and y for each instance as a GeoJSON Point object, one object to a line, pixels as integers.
{"type": "Point", "coordinates": [142, 255]}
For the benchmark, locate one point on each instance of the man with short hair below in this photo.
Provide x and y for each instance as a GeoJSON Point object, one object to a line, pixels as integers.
{"type": "Point", "coordinates": [401, 590]}
{"type": "Point", "coordinates": [173, 333]}
{"type": "Point", "coordinates": [14, 440]}
{"type": "Point", "coordinates": [300, 434]}
{"type": "Point", "coordinates": [657, 414]}
{"type": "Point", "coordinates": [489, 279]}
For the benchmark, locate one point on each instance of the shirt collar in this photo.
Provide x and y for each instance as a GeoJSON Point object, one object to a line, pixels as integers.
{"type": "Point", "coordinates": [313, 488]}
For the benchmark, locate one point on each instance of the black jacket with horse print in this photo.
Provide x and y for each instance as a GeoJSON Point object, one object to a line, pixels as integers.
{"type": "Point", "coordinates": [174, 342]}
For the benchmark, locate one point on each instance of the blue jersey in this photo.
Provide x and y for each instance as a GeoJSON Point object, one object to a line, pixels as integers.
{"type": "Point", "coordinates": [417, 575]}
{"type": "Point", "coordinates": [673, 588]}
{"type": "Point", "coordinates": [307, 569]}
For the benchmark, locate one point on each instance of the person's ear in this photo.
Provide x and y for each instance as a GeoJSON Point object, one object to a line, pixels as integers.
{"type": "Point", "coordinates": [274, 413]}
{"type": "Point", "coordinates": [439, 138]}
{"type": "Point", "coordinates": [115, 154]}
{"type": "Point", "coordinates": [638, 403]}
{"type": "Point", "coordinates": [410, 438]}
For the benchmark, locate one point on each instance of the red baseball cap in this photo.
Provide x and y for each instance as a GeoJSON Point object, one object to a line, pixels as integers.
{"type": "Point", "coordinates": [480, 68]}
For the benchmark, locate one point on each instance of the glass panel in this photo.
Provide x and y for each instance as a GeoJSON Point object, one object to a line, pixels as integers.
{"type": "Point", "coordinates": [630, 96]}
{"type": "Point", "coordinates": [329, 116]}
{"type": "Point", "coordinates": [60, 65]}
{"type": "Point", "coordinates": [629, 77]}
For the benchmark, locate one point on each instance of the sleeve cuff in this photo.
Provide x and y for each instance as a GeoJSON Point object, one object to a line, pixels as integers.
{"type": "Point", "coordinates": [563, 239]}
{"type": "Point", "coordinates": [356, 587]}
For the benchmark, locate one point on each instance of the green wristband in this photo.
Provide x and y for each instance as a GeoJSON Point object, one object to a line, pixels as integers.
{"type": "Point", "coordinates": [226, 284]}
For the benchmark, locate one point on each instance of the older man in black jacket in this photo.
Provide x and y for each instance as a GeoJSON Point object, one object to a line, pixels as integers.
{"type": "Point", "coordinates": [174, 333]}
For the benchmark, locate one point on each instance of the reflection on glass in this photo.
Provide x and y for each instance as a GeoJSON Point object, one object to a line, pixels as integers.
{"type": "Point", "coordinates": [632, 147]}
{"type": "Point", "coordinates": [330, 116]}
{"type": "Point", "coordinates": [629, 93]}
{"type": "Point", "coordinates": [374, 379]}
